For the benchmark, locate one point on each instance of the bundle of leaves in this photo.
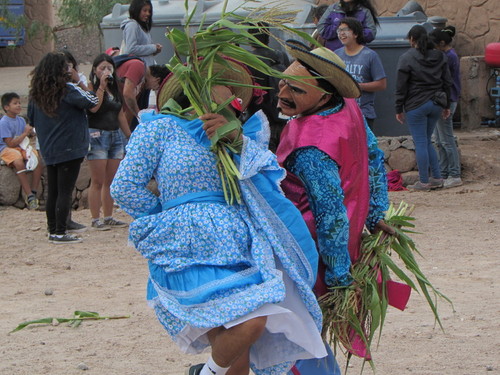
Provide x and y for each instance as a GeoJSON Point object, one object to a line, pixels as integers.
{"type": "Point", "coordinates": [356, 312]}
{"type": "Point", "coordinates": [196, 55]}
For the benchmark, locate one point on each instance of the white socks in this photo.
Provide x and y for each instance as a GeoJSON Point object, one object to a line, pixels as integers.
{"type": "Point", "coordinates": [211, 368]}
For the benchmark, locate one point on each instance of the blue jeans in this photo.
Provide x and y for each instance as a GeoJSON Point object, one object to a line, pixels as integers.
{"type": "Point", "coordinates": [449, 160]}
{"type": "Point", "coordinates": [422, 122]}
{"type": "Point", "coordinates": [105, 144]}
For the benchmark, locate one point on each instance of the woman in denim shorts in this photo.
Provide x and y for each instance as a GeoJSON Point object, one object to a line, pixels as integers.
{"type": "Point", "coordinates": [106, 144]}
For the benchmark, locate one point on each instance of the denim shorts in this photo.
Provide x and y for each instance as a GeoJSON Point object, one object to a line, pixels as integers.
{"type": "Point", "coordinates": [105, 144]}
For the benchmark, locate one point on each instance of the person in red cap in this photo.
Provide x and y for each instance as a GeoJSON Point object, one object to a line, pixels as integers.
{"type": "Point", "coordinates": [113, 51]}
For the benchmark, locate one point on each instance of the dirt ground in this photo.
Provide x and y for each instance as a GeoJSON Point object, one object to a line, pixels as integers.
{"type": "Point", "coordinates": [459, 240]}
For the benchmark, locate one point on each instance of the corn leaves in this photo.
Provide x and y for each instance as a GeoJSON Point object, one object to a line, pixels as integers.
{"type": "Point", "coordinates": [193, 64]}
{"type": "Point", "coordinates": [359, 310]}
{"type": "Point", "coordinates": [75, 321]}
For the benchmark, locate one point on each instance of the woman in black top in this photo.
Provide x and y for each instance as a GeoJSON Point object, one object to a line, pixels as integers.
{"type": "Point", "coordinates": [57, 110]}
{"type": "Point", "coordinates": [422, 95]}
{"type": "Point", "coordinates": [106, 143]}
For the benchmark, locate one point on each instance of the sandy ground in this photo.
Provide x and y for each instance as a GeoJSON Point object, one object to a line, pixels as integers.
{"type": "Point", "coordinates": [459, 239]}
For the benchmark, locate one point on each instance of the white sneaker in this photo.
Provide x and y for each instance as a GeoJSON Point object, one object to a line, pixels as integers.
{"type": "Point", "coordinates": [452, 182]}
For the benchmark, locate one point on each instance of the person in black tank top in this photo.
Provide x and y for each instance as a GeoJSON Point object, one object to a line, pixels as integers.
{"type": "Point", "coordinates": [106, 143]}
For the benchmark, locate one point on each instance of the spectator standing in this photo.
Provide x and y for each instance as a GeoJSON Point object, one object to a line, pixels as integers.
{"type": "Point", "coordinates": [362, 10]}
{"type": "Point", "coordinates": [364, 65]}
{"type": "Point", "coordinates": [136, 32]}
{"type": "Point", "coordinates": [134, 79]}
{"type": "Point", "coordinates": [422, 96]}
{"type": "Point", "coordinates": [449, 158]}
{"type": "Point", "coordinates": [14, 133]}
{"type": "Point", "coordinates": [106, 143]}
{"type": "Point", "coordinates": [81, 79]}
{"type": "Point", "coordinates": [57, 110]}
{"type": "Point", "coordinates": [113, 51]}
{"type": "Point", "coordinates": [317, 13]}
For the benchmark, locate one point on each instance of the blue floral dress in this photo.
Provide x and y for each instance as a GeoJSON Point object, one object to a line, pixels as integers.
{"type": "Point", "coordinates": [212, 264]}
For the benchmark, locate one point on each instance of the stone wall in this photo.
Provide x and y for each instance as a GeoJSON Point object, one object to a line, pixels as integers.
{"type": "Point", "coordinates": [36, 47]}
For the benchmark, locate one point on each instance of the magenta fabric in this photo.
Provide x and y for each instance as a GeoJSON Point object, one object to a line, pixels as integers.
{"type": "Point", "coordinates": [395, 181]}
{"type": "Point", "coordinates": [342, 136]}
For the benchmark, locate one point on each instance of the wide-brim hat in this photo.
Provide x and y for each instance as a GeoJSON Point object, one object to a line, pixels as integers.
{"type": "Point", "coordinates": [230, 71]}
{"type": "Point", "coordinates": [325, 62]}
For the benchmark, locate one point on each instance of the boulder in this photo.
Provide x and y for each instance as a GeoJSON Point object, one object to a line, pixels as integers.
{"type": "Point", "coordinates": [383, 144]}
{"type": "Point", "coordinates": [402, 159]}
{"type": "Point", "coordinates": [10, 187]}
{"type": "Point", "coordinates": [394, 144]}
{"type": "Point", "coordinates": [409, 178]}
{"type": "Point", "coordinates": [408, 144]}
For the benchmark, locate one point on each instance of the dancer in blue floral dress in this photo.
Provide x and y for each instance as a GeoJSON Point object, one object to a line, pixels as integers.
{"type": "Point", "coordinates": [215, 267]}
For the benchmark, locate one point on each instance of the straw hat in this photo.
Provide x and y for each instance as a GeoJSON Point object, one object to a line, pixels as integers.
{"type": "Point", "coordinates": [328, 65]}
{"type": "Point", "coordinates": [234, 71]}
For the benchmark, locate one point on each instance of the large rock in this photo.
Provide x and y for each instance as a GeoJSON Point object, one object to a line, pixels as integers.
{"type": "Point", "coordinates": [409, 178]}
{"type": "Point", "coordinates": [10, 187]}
{"type": "Point", "coordinates": [383, 144]}
{"type": "Point", "coordinates": [402, 159]}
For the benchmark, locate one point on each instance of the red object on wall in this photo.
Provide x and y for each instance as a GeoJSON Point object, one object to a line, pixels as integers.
{"type": "Point", "coordinates": [492, 55]}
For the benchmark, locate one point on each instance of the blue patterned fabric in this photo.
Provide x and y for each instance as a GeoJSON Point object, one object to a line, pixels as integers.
{"type": "Point", "coordinates": [321, 179]}
{"type": "Point", "coordinates": [210, 263]}
{"type": "Point", "coordinates": [379, 196]}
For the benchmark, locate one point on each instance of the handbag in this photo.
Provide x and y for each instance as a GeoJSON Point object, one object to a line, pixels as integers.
{"type": "Point", "coordinates": [440, 99]}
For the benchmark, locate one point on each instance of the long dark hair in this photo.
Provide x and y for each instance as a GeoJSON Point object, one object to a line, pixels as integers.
{"type": "Point", "coordinates": [134, 12]}
{"type": "Point", "coordinates": [351, 7]}
{"type": "Point", "coordinates": [419, 35]}
{"type": "Point", "coordinates": [48, 82]}
{"type": "Point", "coordinates": [443, 35]}
{"type": "Point", "coordinates": [70, 58]}
{"type": "Point", "coordinates": [113, 86]}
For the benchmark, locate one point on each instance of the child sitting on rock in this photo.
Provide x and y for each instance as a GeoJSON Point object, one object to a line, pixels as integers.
{"type": "Point", "coordinates": [13, 147]}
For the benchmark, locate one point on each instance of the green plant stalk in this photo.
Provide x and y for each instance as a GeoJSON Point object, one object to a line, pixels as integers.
{"type": "Point", "coordinates": [361, 307]}
{"type": "Point", "coordinates": [75, 321]}
{"type": "Point", "coordinates": [204, 48]}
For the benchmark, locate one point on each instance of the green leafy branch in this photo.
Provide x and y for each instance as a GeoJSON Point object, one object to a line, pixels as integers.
{"type": "Point", "coordinates": [75, 321]}
{"type": "Point", "coordinates": [209, 46]}
{"type": "Point", "coordinates": [360, 309]}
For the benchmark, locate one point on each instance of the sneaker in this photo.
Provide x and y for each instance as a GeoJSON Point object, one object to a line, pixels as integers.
{"type": "Point", "coordinates": [114, 223]}
{"type": "Point", "coordinates": [195, 370]}
{"type": "Point", "coordinates": [74, 227]}
{"type": "Point", "coordinates": [419, 186]}
{"type": "Point", "coordinates": [99, 225]}
{"type": "Point", "coordinates": [32, 202]}
{"type": "Point", "coordinates": [436, 183]}
{"type": "Point", "coordinates": [452, 182]}
{"type": "Point", "coordinates": [64, 238]}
